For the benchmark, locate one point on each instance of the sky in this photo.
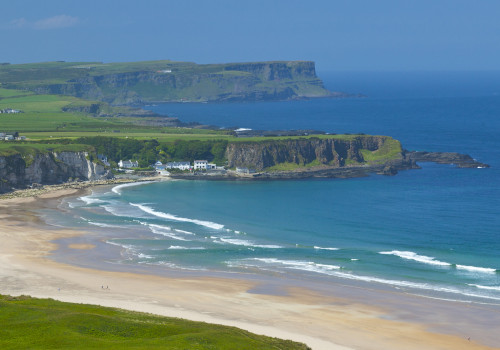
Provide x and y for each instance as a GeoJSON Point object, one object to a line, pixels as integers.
{"type": "Point", "coordinates": [339, 35]}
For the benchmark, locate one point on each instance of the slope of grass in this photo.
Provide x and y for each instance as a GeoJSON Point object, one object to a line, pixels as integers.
{"type": "Point", "coordinates": [390, 149]}
{"type": "Point", "coordinates": [29, 323]}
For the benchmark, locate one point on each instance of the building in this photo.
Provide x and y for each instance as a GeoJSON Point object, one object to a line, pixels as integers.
{"type": "Point", "coordinates": [178, 165]}
{"type": "Point", "coordinates": [200, 165]}
{"type": "Point", "coordinates": [10, 111]}
{"type": "Point", "coordinates": [103, 159]}
{"type": "Point", "coordinates": [127, 164]}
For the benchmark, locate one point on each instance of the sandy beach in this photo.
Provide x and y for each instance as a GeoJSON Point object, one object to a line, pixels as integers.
{"type": "Point", "coordinates": [322, 322]}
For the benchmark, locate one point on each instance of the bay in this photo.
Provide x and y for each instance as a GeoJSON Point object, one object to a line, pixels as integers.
{"type": "Point", "coordinates": [432, 231]}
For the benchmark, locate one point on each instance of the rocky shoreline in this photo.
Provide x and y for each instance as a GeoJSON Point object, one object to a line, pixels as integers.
{"type": "Point", "coordinates": [35, 192]}
{"type": "Point", "coordinates": [408, 161]}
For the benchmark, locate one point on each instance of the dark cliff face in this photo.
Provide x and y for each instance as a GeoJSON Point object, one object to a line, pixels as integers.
{"type": "Point", "coordinates": [329, 152]}
{"type": "Point", "coordinates": [17, 171]}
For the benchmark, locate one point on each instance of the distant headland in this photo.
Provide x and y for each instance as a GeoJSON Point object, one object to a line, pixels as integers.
{"type": "Point", "coordinates": [139, 83]}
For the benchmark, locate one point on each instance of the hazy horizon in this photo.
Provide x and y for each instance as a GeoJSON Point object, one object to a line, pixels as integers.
{"type": "Point", "coordinates": [339, 35]}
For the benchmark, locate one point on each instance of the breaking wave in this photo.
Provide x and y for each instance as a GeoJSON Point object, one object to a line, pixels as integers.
{"type": "Point", "coordinates": [167, 216]}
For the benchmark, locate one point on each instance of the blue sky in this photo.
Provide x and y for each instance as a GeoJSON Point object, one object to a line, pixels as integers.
{"type": "Point", "coordinates": [373, 35]}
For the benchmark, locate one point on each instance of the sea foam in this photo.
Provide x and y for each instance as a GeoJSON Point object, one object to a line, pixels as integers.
{"type": "Point", "coordinates": [415, 257]}
{"type": "Point", "coordinates": [476, 269]}
{"type": "Point", "coordinates": [245, 243]}
{"type": "Point", "coordinates": [90, 200]}
{"type": "Point", "coordinates": [496, 288]}
{"type": "Point", "coordinates": [164, 231]}
{"type": "Point", "coordinates": [167, 216]}
{"type": "Point", "coordinates": [325, 248]}
{"type": "Point", "coordinates": [118, 189]}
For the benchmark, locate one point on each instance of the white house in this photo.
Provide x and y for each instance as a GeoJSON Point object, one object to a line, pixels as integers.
{"type": "Point", "coordinates": [211, 166]}
{"type": "Point", "coordinates": [127, 164]}
{"type": "Point", "coordinates": [200, 165]}
{"type": "Point", "coordinates": [178, 165]}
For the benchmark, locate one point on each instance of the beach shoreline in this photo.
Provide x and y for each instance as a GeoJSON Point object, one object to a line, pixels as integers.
{"type": "Point", "coordinates": [322, 322]}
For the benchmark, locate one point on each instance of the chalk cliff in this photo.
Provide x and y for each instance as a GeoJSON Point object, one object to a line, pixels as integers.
{"type": "Point", "coordinates": [21, 171]}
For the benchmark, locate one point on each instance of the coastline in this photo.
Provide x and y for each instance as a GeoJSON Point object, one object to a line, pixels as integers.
{"type": "Point", "coordinates": [332, 322]}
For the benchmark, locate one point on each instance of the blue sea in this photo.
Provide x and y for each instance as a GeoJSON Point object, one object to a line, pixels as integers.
{"type": "Point", "coordinates": [433, 232]}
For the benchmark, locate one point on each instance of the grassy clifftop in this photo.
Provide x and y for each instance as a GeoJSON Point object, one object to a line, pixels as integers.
{"type": "Point", "coordinates": [167, 81]}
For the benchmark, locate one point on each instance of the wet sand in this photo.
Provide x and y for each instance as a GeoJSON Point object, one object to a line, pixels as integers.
{"type": "Point", "coordinates": [344, 318]}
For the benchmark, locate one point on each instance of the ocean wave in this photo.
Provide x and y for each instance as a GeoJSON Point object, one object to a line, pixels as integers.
{"type": "Point", "coordinates": [248, 243]}
{"type": "Point", "coordinates": [496, 288]}
{"type": "Point", "coordinates": [476, 269]}
{"type": "Point", "coordinates": [100, 224]}
{"type": "Point", "coordinates": [325, 248]}
{"type": "Point", "coordinates": [145, 256]}
{"type": "Point", "coordinates": [415, 257]}
{"type": "Point", "coordinates": [90, 200]}
{"type": "Point", "coordinates": [164, 231]}
{"type": "Point", "coordinates": [117, 209]}
{"type": "Point", "coordinates": [185, 248]}
{"type": "Point", "coordinates": [182, 231]}
{"type": "Point", "coordinates": [335, 271]}
{"type": "Point", "coordinates": [121, 245]}
{"type": "Point", "coordinates": [167, 216]}
{"type": "Point", "coordinates": [117, 189]}
{"type": "Point", "coordinates": [300, 265]}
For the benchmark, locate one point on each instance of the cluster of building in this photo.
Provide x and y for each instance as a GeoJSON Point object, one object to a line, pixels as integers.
{"type": "Point", "coordinates": [11, 137]}
{"type": "Point", "coordinates": [127, 164]}
{"type": "Point", "coordinates": [10, 111]}
{"type": "Point", "coordinates": [160, 168]}
{"type": "Point", "coordinates": [197, 165]}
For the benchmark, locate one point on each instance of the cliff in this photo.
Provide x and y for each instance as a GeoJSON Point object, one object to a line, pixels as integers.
{"type": "Point", "coordinates": [334, 152]}
{"type": "Point", "coordinates": [167, 81]}
{"type": "Point", "coordinates": [21, 170]}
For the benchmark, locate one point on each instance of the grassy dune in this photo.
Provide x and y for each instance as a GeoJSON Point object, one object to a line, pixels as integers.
{"type": "Point", "coordinates": [29, 323]}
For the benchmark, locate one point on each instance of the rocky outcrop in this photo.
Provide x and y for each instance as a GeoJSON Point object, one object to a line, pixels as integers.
{"type": "Point", "coordinates": [458, 159]}
{"type": "Point", "coordinates": [333, 152]}
{"type": "Point", "coordinates": [21, 171]}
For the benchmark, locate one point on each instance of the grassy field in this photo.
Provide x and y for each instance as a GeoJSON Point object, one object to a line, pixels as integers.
{"type": "Point", "coordinates": [29, 323]}
{"type": "Point", "coordinates": [10, 148]}
{"type": "Point", "coordinates": [51, 115]}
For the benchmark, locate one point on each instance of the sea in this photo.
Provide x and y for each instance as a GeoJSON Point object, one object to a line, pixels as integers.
{"type": "Point", "coordinates": [432, 232]}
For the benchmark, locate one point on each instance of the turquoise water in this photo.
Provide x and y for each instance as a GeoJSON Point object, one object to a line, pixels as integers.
{"type": "Point", "coordinates": [433, 231]}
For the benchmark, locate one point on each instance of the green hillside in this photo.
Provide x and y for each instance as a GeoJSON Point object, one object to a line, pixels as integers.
{"type": "Point", "coordinates": [29, 323]}
{"type": "Point", "coordinates": [135, 83]}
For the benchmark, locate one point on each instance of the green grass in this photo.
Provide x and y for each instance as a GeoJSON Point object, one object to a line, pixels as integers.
{"type": "Point", "coordinates": [11, 148]}
{"type": "Point", "coordinates": [29, 323]}
{"type": "Point", "coordinates": [390, 149]}
{"type": "Point", "coordinates": [293, 166]}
